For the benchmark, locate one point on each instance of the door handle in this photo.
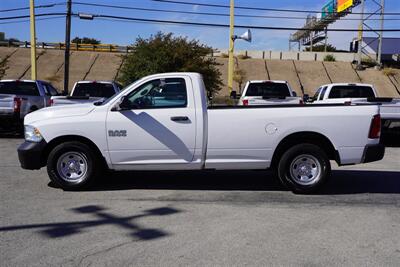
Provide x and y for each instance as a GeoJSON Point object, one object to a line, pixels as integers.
{"type": "Point", "coordinates": [179, 118]}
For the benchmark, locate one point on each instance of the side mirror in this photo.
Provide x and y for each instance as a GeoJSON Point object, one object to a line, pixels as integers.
{"type": "Point", "coordinates": [294, 93]}
{"type": "Point", "coordinates": [125, 104]}
{"type": "Point", "coordinates": [306, 98]}
{"type": "Point", "coordinates": [233, 95]}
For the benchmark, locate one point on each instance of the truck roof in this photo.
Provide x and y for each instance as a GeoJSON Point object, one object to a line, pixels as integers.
{"type": "Point", "coordinates": [269, 81]}
{"type": "Point", "coordinates": [95, 81]}
{"type": "Point", "coordinates": [19, 80]}
{"type": "Point", "coordinates": [347, 84]}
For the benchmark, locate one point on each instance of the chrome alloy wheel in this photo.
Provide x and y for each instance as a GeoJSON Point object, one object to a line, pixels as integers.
{"type": "Point", "coordinates": [305, 169]}
{"type": "Point", "coordinates": [72, 166]}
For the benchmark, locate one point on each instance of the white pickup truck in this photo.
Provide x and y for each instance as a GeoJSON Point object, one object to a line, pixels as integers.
{"type": "Point", "coordinates": [88, 92]}
{"type": "Point", "coordinates": [268, 93]}
{"type": "Point", "coordinates": [348, 93]}
{"type": "Point", "coordinates": [162, 122]}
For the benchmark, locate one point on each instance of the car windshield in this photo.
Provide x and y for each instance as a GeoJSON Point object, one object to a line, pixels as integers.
{"type": "Point", "coordinates": [94, 90]}
{"type": "Point", "coordinates": [268, 89]}
{"type": "Point", "coordinates": [351, 91]}
{"type": "Point", "coordinates": [19, 88]}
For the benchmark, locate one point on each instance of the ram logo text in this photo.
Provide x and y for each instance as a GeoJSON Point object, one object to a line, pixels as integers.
{"type": "Point", "coordinates": [117, 133]}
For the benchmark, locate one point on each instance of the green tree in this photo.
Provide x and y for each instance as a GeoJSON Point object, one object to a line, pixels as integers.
{"type": "Point", "coordinates": [166, 53]}
{"type": "Point", "coordinates": [85, 40]}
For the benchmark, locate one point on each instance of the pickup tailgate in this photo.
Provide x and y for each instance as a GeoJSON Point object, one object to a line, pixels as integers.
{"type": "Point", "coordinates": [255, 100]}
{"type": "Point", "coordinates": [6, 104]}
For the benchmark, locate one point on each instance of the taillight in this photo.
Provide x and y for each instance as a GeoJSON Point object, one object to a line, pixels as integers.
{"type": "Point", "coordinates": [17, 104]}
{"type": "Point", "coordinates": [375, 130]}
{"type": "Point", "coordinates": [347, 103]}
{"type": "Point", "coordinates": [245, 102]}
{"type": "Point", "coordinates": [51, 102]}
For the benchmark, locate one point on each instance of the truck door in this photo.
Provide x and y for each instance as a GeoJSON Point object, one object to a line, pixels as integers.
{"type": "Point", "coordinates": [156, 128]}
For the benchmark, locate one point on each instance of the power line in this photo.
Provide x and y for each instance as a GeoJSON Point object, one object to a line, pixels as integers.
{"type": "Point", "coordinates": [260, 8]}
{"type": "Point", "coordinates": [27, 8]}
{"type": "Point", "coordinates": [205, 13]}
{"type": "Point", "coordinates": [36, 15]}
{"type": "Point", "coordinates": [27, 20]}
{"type": "Point", "coordinates": [187, 23]}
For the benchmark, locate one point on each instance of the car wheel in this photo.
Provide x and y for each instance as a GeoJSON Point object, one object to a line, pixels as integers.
{"type": "Point", "coordinates": [73, 165]}
{"type": "Point", "coordinates": [304, 168]}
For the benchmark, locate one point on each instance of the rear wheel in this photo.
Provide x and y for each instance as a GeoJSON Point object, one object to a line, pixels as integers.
{"type": "Point", "coordinates": [73, 165]}
{"type": "Point", "coordinates": [304, 168]}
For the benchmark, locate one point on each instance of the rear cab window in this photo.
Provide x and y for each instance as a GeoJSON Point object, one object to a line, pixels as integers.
{"type": "Point", "coordinates": [323, 91]}
{"type": "Point", "coordinates": [19, 88]}
{"type": "Point", "coordinates": [268, 89]}
{"type": "Point", "coordinates": [94, 90]}
{"type": "Point", "coordinates": [351, 91]}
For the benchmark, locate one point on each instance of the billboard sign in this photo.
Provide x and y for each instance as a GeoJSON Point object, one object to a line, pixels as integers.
{"type": "Point", "coordinates": [343, 5]}
{"type": "Point", "coordinates": [328, 9]}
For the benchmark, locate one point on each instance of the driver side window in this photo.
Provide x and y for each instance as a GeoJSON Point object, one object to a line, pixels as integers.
{"type": "Point", "coordinates": [159, 93]}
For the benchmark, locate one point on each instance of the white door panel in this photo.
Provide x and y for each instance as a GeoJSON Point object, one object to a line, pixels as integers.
{"type": "Point", "coordinates": [159, 129]}
{"type": "Point", "coordinates": [151, 136]}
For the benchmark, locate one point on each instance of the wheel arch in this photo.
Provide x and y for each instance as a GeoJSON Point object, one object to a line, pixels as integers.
{"type": "Point", "coordinates": [314, 138]}
{"type": "Point", "coordinates": [67, 138]}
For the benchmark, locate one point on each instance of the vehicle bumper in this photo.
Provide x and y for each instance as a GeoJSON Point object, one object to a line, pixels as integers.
{"type": "Point", "coordinates": [30, 155]}
{"type": "Point", "coordinates": [373, 153]}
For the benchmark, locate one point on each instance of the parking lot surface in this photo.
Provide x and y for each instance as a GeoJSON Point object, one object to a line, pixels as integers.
{"type": "Point", "coordinates": [200, 218]}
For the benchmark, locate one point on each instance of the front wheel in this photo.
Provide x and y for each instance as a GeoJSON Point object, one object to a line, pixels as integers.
{"type": "Point", "coordinates": [304, 168]}
{"type": "Point", "coordinates": [72, 165]}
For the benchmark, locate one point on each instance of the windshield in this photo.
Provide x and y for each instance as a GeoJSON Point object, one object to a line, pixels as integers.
{"type": "Point", "coordinates": [351, 91]}
{"type": "Point", "coordinates": [94, 90]}
{"type": "Point", "coordinates": [268, 89]}
{"type": "Point", "coordinates": [19, 88]}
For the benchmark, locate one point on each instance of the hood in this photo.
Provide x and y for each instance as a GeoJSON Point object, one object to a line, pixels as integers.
{"type": "Point", "coordinates": [59, 112]}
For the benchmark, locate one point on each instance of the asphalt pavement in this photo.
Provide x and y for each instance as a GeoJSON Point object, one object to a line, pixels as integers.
{"type": "Point", "coordinates": [200, 218]}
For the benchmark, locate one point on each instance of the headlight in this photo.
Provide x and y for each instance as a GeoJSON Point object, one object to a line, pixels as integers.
{"type": "Point", "coordinates": [32, 134]}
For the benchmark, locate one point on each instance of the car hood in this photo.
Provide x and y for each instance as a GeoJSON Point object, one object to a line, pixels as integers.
{"type": "Point", "coordinates": [59, 112]}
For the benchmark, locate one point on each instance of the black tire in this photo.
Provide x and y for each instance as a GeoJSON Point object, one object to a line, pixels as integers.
{"type": "Point", "coordinates": [83, 152]}
{"type": "Point", "coordinates": [304, 168]}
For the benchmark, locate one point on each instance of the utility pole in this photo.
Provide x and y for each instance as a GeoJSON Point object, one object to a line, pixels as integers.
{"type": "Point", "coordinates": [67, 45]}
{"type": "Point", "coordinates": [33, 40]}
{"type": "Point", "coordinates": [381, 34]}
{"type": "Point", "coordinates": [360, 36]}
{"type": "Point", "coordinates": [231, 46]}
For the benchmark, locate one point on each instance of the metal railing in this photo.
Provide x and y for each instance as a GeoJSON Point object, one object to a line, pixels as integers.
{"type": "Point", "coordinates": [73, 46]}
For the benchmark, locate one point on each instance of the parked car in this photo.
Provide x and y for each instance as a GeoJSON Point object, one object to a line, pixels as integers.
{"type": "Point", "coordinates": [88, 92]}
{"type": "Point", "coordinates": [347, 93]}
{"type": "Point", "coordinates": [162, 122]}
{"type": "Point", "coordinates": [20, 97]}
{"type": "Point", "coordinates": [268, 93]}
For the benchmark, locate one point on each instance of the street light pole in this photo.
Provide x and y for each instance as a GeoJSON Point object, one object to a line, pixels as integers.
{"type": "Point", "coordinates": [360, 36]}
{"type": "Point", "coordinates": [33, 39]}
{"type": "Point", "coordinates": [381, 34]}
{"type": "Point", "coordinates": [231, 46]}
{"type": "Point", "coordinates": [67, 46]}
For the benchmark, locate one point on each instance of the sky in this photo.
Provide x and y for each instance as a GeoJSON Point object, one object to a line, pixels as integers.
{"type": "Point", "coordinates": [125, 33]}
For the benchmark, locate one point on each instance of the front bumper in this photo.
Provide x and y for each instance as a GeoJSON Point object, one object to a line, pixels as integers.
{"type": "Point", "coordinates": [30, 155]}
{"type": "Point", "coordinates": [373, 153]}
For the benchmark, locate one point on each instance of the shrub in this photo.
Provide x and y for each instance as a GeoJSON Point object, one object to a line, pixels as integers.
{"type": "Point", "coordinates": [389, 72]}
{"type": "Point", "coordinates": [243, 57]}
{"type": "Point", "coordinates": [330, 58]}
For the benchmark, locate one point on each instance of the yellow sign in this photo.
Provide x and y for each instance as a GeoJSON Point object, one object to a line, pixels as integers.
{"type": "Point", "coordinates": [342, 5]}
